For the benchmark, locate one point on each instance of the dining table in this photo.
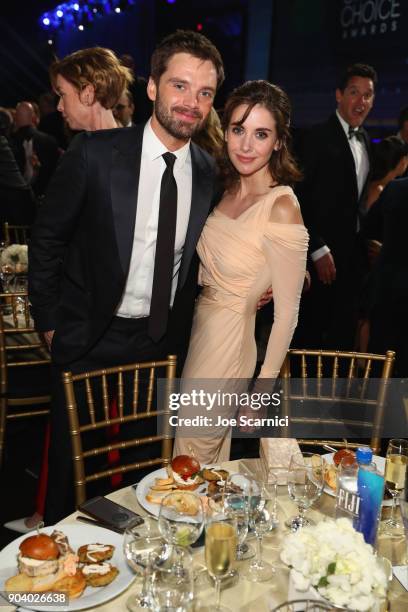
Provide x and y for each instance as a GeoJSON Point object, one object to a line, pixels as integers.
{"type": "Point", "coordinates": [241, 594]}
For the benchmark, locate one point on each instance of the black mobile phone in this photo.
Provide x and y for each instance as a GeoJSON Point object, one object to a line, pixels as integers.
{"type": "Point", "coordinates": [110, 513]}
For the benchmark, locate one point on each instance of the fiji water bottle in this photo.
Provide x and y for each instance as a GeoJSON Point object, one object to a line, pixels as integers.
{"type": "Point", "coordinates": [370, 488]}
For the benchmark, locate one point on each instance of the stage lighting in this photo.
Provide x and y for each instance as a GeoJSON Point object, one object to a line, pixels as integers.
{"type": "Point", "coordinates": [117, 9]}
{"type": "Point", "coordinates": [46, 21]}
{"type": "Point", "coordinates": [60, 14]}
{"type": "Point", "coordinates": [50, 41]}
{"type": "Point", "coordinates": [76, 7]}
{"type": "Point", "coordinates": [81, 27]}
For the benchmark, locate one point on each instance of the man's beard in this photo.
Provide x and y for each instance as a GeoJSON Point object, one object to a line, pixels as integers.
{"type": "Point", "coordinates": [176, 127]}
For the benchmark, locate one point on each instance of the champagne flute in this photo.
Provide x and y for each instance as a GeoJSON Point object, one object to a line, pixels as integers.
{"type": "Point", "coordinates": [305, 485]}
{"type": "Point", "coordinates": [395, 470]}
{"type": "Point", "coordinates": [220, 550]}
{"type": "Point", "coordinates": [138, 543]}
{"type": "Point", "coordinates": [261, 522]}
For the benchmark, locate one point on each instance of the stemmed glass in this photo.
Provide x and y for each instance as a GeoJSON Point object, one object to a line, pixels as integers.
{"type": "Point", "coordinates": [220, 549]}
{"type": "Point", "coordinates": [138, 543]}
{"type": "Point", "coordinates": [261, 522]}
{"type": "Point", "coordinates": [171, 580]}
{"type": "Point", "coordinates": [305, 485]}
{"type": "Point", "coordinates": [395, 470]}
{"type": "Point", "coordinates": [181, 518]}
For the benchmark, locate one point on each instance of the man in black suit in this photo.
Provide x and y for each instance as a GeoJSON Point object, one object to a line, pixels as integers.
{"type": "Point", "coordinates": [93, 266]}
{"type": "Point", "coordinates": [28, 143]}
{"type": "Point", "coordinates": [335, 157]}
{"type": "Point", "coordinates": [389, 280]}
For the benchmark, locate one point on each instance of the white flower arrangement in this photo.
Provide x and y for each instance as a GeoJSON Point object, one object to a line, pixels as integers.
{"type": "Point", "coordinates": [14, 258]}
{"type": "Point", "coordinates": [334, 558]}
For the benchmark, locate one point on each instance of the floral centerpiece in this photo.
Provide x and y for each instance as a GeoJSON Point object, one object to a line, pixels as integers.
{"type": "Point", "coordinates": [14, 258]}
{"type": "Point", "coordinates": [334, 559]}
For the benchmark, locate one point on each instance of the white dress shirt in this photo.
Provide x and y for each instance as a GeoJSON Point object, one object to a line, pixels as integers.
{"type": "Point", "coordinates": [136, 297]}
{"type": "Point", "coordinates": [362, 166]}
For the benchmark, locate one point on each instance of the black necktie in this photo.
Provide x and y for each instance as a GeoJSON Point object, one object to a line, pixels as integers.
{"type": "Point", "coordinates": [164, 258]}
{"type": "Point", "coordinates": [356, 133]}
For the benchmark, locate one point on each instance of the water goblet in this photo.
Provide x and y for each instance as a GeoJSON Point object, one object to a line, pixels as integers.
{"type": "Point", "coordinates": [305, 485]}
{"type": "Point", "coordinates": [395, 470]}
{"type": "Point", "coordinates": [261, 522]}
{"type": "Point", "coordinates": [138, 543]}
{"type": "Point", "coordinates": [171, 579]}
{"type": "Point", "coordinates": [181, 518]}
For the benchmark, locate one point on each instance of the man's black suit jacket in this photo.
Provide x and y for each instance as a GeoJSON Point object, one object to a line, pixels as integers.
{"type": "Point", "coordinates": [17, 201]}
{"type": "Point", "coordinates": [81, 244]}
{"type": "Point", "coordinates": [46, 149]}
{"type": "Point", "coordinates": [328, 195]}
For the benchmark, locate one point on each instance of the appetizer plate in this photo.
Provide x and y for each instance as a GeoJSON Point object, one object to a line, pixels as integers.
{"type": "Point", "coordinates": [77, 536]}
{"type": "Point", "coordinates": [379, 462]}
{"type": "Point", "coordinates": [142, 489]}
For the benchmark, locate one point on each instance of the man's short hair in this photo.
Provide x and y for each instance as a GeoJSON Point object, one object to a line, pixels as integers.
{"type": "Point", "coordinates": [402, 117]}
{"type": "Point", "coordinates": [98, 67]}
{"type": "Point", "coordinates": [359, 70]}
{"type": "Point", "coordinates": [185, 41]}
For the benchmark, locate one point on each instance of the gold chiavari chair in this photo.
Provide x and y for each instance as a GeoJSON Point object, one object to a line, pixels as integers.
{"type": "Point", "coordinates": [107, 384]}
{"type": "Point", "coordinates": [15, 234]}
{"type": "Point", "coordinates": [24, 364]}
{"type": "Point", "coordinates": [328, 378]}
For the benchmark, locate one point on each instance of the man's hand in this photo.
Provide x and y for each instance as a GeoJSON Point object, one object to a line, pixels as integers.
{"type": "Point", "coordinates": [325, 268]}
{"type": "Point", "coordinates": [48, 336]}
{"type": "Point", "coordinates": [265, 298]}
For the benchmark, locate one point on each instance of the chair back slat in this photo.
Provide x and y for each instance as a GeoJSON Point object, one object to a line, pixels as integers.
{"type": "Point", "coordinates": [135, 391]}
{"type": "Point", "coordinates": [121, 394]}
{"type": "Point", "coordinates": [90, 401]}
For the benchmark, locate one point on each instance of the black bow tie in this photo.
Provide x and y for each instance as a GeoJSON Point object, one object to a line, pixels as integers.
{"type": "Point", "coordinates": [356, 133]}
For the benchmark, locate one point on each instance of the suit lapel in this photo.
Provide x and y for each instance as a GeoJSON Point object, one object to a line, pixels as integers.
{"type": "Point", "coordinates": [341, 141]}
{"type": "Point", "coordinates": [201, 196]}
{"type": "Point", "coordinates": [126, 156]}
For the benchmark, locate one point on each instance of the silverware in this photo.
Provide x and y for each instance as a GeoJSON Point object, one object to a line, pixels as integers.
{"type": "Point", "coordinates": [330, 448]}
{"type": "Point", "coordinates": [85, 519]}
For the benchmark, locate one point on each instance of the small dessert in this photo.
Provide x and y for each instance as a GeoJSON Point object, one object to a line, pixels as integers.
{"type": "Point", "coordinates": [95, 553]}
{"type": "Point", "coordinates": [183, 501]}
{"type": "Point", "coordinates": [99, 574]}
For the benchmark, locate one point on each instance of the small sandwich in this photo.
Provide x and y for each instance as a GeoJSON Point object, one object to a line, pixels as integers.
{"type": "Point", "coordinates": [95, 553]}
{"type": "Point", "coordinates": [40, 565]}
{"type": "Point", "coordinates": [99, 574]}
{"type": "Point", "coordinates": [186, 472]}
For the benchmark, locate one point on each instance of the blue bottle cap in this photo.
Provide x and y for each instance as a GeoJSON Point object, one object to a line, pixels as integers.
{"type": "Point", "coordinates": [364, 454]}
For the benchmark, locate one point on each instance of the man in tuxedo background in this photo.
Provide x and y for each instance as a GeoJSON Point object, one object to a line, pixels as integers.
{"type": "Point", "coordinates": [335, 158]}
{"type": "Point", "coordinates": [104, 287]}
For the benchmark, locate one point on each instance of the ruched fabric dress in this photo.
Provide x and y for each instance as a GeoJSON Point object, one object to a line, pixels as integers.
{"type": "Point", "coordinates": [241, 258]}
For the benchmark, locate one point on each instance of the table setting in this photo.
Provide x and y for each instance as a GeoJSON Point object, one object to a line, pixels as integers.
{"type": "Point", "coordinates": [255, 547]}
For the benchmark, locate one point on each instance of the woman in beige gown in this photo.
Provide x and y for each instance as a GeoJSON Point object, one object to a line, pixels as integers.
{"type": "Point", "coordinates": [254, 239]}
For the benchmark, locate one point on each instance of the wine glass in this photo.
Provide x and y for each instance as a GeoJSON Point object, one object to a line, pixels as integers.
{"type": "Point", "coordinates": [261, 522]}
{"type": "Point", "coordinates": [181, 518]}
{"type": "Point", "coordinates": [138, 543]}
{"type": "Point", "coordinates": [220, 550]}
{"type": "Point", "coordinates": [305, 485]}
{"type": "Point", "coordinates": [171, 579]}
{"type": "Point", "coordinates": [395, 470]}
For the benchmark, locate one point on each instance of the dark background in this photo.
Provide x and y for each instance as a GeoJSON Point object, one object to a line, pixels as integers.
{"type": "Point", "coordinates": [308, 42]}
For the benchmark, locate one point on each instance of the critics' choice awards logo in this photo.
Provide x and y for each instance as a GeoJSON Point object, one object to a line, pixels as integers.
{"type": "Point", "coordinates": [360, 18]}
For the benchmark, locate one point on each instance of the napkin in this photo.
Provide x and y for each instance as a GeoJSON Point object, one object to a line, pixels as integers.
{"type": "Point", "coordinates": [275, 454]}
{"type": "Point", "coordinates": [401, 574]}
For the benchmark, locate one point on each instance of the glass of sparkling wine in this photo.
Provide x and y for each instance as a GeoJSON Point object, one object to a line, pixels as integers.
{"type": "Point", "coordinates": [395, 470]}
{"type": "Point", "coordinates": [220, 551]}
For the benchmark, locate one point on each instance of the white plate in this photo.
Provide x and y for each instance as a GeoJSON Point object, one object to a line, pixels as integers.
{"type": "Point", "coordinates": [77, 536]}
{"type": "Point", "coordinates": [144, 485]}
{"type": "Point", "coordinates": [379, 462]}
